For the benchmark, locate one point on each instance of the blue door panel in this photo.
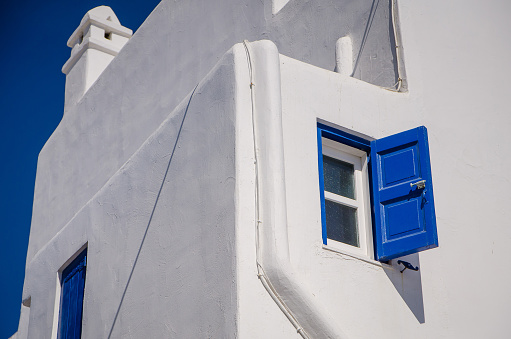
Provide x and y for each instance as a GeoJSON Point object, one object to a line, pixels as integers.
{"type": "Point", "coordinates": [71, 303]}
{"type": "Point", "coordinates": [399, 166]}
{"type": "Point", "coordinates": [404, 216]}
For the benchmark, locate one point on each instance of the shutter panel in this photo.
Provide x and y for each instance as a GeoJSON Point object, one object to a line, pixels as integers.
{"type": "Point", "coordinates": [71, 304]}
{"type": "Point", "coordinates": [404, 216]}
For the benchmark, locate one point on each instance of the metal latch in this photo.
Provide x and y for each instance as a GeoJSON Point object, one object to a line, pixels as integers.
{"type": "Point", "coordinates": [406, 264]}
{"type": "Point", "coordinates": [420, 184]}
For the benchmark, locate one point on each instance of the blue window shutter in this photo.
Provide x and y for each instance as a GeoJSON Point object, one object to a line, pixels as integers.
{"type": "Point", "coordinates": [404, 216]}
{"type": "Point", "coordinates": [71, 304]}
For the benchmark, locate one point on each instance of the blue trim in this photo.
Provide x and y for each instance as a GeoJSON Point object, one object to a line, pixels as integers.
{"type": "Point", "coordinates": [71, 301]}
{"type": "Point", "coordinates": [78, 264]}
{"type": "Point", "coordinates": [321, 184]}
{"type": "Point", "coordinates": [428, 194]}
{"type": "Point", "coordinates": [344, 138]}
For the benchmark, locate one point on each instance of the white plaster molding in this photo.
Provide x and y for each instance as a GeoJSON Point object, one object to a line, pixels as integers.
{"type": "Point", "coordinates": [278, 275]}
{"type": "Point", "coordinates": [91, 43]}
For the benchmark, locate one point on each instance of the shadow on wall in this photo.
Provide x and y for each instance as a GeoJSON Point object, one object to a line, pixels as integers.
{"type": "Point", "coordinates": [307, 30]}
{"type": "Point", "coordinates": [152, 214]}
{"type": "Point", "coordinates": [409, 285]}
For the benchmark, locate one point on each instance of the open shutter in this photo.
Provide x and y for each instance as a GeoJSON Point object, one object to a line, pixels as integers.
{"type": "Point", "coordinates": [404, 211]}
{"type": "Point", "coordinates": [71, 305]}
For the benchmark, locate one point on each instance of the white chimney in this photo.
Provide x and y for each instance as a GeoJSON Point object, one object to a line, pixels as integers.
{"type": "Point", "coordinates": [95, 43]}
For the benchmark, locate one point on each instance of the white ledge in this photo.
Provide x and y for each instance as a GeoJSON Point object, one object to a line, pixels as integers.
{"type": "Point", "coordinates": [358, 257]}
{"type": "Point", "coordinates": [91, 43]}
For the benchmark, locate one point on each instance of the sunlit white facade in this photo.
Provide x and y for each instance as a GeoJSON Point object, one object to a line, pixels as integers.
{"type": "Point", "coordinates": [187, 165]}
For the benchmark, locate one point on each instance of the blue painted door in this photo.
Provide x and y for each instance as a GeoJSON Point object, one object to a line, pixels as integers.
{"type": "Point", "coordinates": [71, 304]}
{"type": "Point", "coordinates": [404, 212]}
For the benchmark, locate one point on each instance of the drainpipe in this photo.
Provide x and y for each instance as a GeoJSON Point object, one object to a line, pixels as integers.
{"type": "Point", "coordinates": [277, 275]}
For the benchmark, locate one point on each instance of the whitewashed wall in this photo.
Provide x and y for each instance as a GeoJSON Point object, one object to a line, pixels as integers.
{"type": "Point", "coordinates": [170, 53]}
{"type": "Point", "coordinates": [459, 92]}
{"type": "Point", "coordinates": [159, 233]}
{"type": "Point", "coordinates": [455, 54]}
{"type": "Point", "coordinates": [458, 87]}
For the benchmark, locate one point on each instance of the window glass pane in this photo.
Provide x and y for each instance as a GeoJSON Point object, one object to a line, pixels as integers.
{"type": "Point", "coordinates": [339, 177]}
{"type": "Point", "coordinates": [341, 223]}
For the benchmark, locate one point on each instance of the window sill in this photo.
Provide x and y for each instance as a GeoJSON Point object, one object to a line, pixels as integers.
{"type": "Point", "coordinates": [358, 257]}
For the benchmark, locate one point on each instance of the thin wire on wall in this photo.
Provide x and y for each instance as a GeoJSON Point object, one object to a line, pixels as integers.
{"type": "Point", "coordinates": [397, 40]}
{"type": "Point", "coordinates": [260, 270]}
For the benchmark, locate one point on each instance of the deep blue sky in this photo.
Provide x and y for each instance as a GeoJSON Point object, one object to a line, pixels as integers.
{"type": "Point", "coordinates": [33, 51]}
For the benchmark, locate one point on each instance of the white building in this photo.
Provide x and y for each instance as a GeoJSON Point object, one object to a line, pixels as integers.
{"type": "Point", "coordinates": [189, 168]}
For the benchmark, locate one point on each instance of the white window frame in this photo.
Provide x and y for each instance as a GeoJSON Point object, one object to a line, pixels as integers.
{"type": "Point", "coordinates": [358, 159]}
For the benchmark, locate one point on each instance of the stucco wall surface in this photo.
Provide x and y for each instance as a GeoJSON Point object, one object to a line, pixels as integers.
{"type": "Point", "coordinates": [160, 232]}
{"type": "Point", "coordinates": [175, 48]}
{"type": "Point", "coordinates": [366, 298]}
{"type": "Point", "coordinates": [458, 91]}
{"type": "Point", "coordinates": [465, 94]}
{"type": "Point", "coordinates": [461, 290]}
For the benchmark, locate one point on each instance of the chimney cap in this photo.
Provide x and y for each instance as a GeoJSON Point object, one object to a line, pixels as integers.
{"type": "Point", "coordinates": [101, 16]}
{"type": "Point", "coordinates": [88, 35]}
{"type": "Point", "coordinates": [104, 12]}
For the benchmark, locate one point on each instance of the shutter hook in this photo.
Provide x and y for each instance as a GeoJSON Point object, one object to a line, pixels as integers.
{"type": "Point", "coordinates": [406, 264]}
{"type": "Point", "coordinates": [424, 196]}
